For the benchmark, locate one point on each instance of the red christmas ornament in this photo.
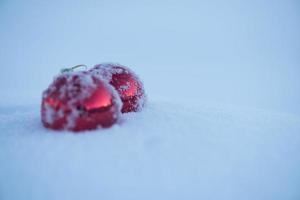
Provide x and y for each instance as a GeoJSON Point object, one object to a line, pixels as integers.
{"type": "Point", "coordinates": [127, 84]}
{"type": "Point", "coordinates": [79, 101]}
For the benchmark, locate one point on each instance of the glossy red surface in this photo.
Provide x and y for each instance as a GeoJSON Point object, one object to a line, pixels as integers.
{"type": "Point", "coordinates": [74, 104]}
{"type": "Point", "coordinates": [129, 87]}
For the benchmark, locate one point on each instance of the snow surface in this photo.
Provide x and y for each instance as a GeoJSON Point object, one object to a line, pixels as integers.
{"type": "Point", "coordinates": [168, 151]}
{"type": "Point", "coordinates": [222, 78]}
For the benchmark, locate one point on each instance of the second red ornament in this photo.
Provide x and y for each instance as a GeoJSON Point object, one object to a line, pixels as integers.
{"type": "Point", "coordinates": [126, 82]}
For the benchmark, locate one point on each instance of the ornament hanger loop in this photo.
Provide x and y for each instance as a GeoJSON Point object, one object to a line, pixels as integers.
{"type": "Point", "coordinates": [73, 68]}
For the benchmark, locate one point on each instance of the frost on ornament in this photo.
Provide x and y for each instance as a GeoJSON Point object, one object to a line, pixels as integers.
{"type": "Point", "coordinates": [126, 82]}
{"type": "Point", "coordinates": [79, 101]}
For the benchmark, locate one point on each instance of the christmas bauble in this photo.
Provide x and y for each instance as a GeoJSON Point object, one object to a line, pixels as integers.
{"type": "Point", "coordinates": [79, 101]}
{"type": "Point", "coordinates": [126, 82]}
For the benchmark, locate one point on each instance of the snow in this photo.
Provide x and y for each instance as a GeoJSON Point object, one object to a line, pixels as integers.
{"type": "Point", "coordinates": [223, 114]}
{"type": "Point", "coordinates": [166, 151]}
